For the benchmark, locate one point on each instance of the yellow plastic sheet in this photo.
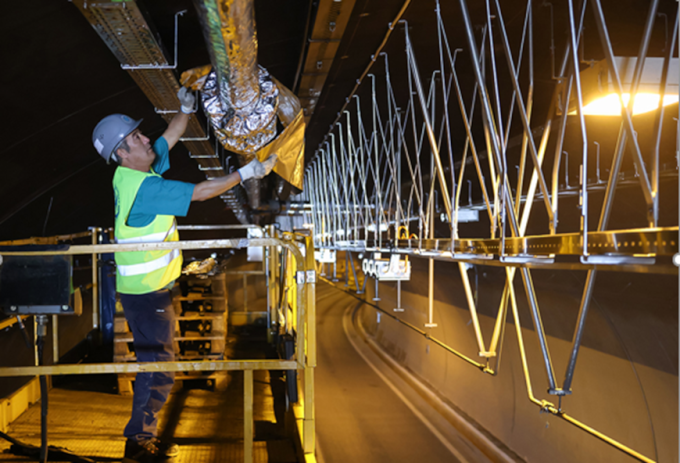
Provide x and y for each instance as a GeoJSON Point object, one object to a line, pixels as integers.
{"type": "Point", "coordinates": [290, 148]}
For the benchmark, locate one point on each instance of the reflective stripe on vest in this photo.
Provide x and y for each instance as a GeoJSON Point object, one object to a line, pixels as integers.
{"type": "Point", "coordinates": [152, 238]}
{"type": "Point", "coordinates": [142, 272]}
{"type": "Point", "coordinates": [148, 267]}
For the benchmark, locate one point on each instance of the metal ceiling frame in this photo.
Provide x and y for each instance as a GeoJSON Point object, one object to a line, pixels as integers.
{"type": "Point", "coordinates": [329, 27]}
{"type": "Point", "coordinates": [367, 209]}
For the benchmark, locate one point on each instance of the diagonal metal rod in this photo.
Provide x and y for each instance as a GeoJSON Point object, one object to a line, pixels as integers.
{"type": "Point", "coordinates": [522, 112]}
{"type": "Point", "coordinates": [658, 123]}
{"type": "Point", "coordinates": [583, 194]}
{"type": "Point", "coordinates": [626, 111]}
{"type": "Point", "coordinates": [526, 276]}
{"type": "Point", "coordinates": [590, 278]}
{"type": "Point", "coordinates": [430, 133]}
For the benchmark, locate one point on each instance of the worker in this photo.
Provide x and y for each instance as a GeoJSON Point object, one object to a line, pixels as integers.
{"type": "Point", "coordinates": [146, 205]}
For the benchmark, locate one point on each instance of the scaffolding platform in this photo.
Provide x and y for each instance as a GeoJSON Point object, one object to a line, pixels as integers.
{"type": "Point", "coordinates": [87, 417]}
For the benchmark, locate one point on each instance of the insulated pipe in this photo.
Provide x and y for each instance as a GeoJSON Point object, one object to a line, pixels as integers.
{"type": "Point", "coordinates": [229, 31]}
{"type": "Point", "coordinates": [239, 97]}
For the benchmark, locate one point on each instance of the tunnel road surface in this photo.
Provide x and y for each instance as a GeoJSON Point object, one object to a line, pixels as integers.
{"type": "Point", "coordinates": [359, 417]}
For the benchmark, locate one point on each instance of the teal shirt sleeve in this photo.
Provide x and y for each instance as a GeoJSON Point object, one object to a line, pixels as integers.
{"type": "Point", "coordinates": [157, 195]}
{"type": "Point", "coordinates": [162, 162]}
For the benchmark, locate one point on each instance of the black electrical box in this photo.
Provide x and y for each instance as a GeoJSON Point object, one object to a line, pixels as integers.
{"type": "Point", "coordinates": [37, 285]}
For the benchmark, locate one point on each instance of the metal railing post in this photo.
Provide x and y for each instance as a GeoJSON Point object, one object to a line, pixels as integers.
{"type": "Point", "coordinates": [247, 416]}
{"type": "Point", "coordinates": [245, 294]}
{"type": "Point", "coordinates": [309, 439]}
{"type": "Point", "coordinates": [95, 280]}
{"type": "Point", "coordinates": [55, 339]}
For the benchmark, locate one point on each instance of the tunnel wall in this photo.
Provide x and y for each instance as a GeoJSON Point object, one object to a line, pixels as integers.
{"type": "Point", "coordinates": [626, 379]}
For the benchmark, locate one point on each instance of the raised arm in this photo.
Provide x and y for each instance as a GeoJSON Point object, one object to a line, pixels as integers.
{"type": "Point", "coordinates": [176, 129]}
{"type": "Point", "coordinates": [179, 123]}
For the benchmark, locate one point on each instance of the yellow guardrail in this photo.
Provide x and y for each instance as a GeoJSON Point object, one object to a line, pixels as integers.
{"type": "Point", "coordinates": [298, 308]}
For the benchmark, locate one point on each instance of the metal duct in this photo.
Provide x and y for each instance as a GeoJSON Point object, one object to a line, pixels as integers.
{"type": "Point", "coordinates": [241, 99]}
{"type": "Point", "coordinates": [238, 95]}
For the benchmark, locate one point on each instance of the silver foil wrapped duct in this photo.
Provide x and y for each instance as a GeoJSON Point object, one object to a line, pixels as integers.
{"type": "Point", "coordinates": [241, 99]}
{"type": "Point", "coordinates": [247, 129]}
{"type": "Point", "coordinates": [238, 95]}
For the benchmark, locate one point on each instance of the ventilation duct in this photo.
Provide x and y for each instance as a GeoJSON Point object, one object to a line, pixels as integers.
{"type": "Point", "coordinates": [241, 99]}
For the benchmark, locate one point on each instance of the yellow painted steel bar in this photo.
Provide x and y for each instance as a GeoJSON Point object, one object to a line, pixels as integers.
{"type": "Point", "coordinates": [95, 281]}
{"type": "Point", "coordinates": [102, 368]}
{"type": "Point", "coordinates": [500, 321]}
{"type": "Point", "coordinates": [6, 323]}
{"type": "Point", "coordinates": [46, 240]}
{"type": "Point", "coordinates": [247, 416]}
{"type": "Point", "coordinates": [308, 428]}
{"type": "Point", "coordinates": [473, 311]}
{"type": "Point", "coordinates": [310, 305]}
{"type": "Point", "coordinates": [166, 245]}
{"type": "Point", "coordinates": [603, 437]}
{"type": "Point", "coordinates": [55, 338]}
{"type": "Point", "coordinates": [548, 406]}
{"type": "Point", "coordinates": [409, 325]}
{"type": "Point", "coordinates": [299, 322]}
{"type": "Point", "coordinates": [544, 405]}
{"type": "Point", "coordinates": [36, 356]}
{"type": "Point", "coordinates": [308, 424]}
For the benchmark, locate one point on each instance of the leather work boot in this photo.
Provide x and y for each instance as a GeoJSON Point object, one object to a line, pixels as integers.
{"type": "Point", "coordinates": [149, 451]}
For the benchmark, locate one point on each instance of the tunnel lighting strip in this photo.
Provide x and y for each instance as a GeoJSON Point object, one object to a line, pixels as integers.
{"type": "Point", "coordinates": [370, 209]}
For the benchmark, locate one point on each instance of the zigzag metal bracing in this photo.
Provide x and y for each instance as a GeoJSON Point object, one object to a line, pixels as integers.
{"type": "Point", "coordinates": [376, 185]}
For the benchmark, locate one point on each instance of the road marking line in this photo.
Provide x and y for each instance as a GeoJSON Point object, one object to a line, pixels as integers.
{"type": "Point", "coordinates": [454, 451]}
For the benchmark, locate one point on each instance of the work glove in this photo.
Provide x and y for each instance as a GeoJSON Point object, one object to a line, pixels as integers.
{"type": "Point", "coordinates": [257, 169]}
{"type": "Point", "coordinates": [187, 99]}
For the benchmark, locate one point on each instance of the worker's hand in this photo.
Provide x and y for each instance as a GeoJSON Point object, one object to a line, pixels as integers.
{"type": "Point", "coordinates": [187, 99]}
{"type": "Point", "coordinates": [257, 169]}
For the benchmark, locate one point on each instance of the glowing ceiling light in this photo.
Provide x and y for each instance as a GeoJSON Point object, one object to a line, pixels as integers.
{"type": "Point", "coordinates": [600, 97]}
{"type": "Point", "coordinates": [610, 105]}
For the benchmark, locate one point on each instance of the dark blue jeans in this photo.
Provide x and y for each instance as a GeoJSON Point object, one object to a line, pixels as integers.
{"type": "Point", "coordinates": [152, 322]}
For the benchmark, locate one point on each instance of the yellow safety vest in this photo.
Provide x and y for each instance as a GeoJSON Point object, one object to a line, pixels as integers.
{"type": "Point", "coordinates": [142, 272]}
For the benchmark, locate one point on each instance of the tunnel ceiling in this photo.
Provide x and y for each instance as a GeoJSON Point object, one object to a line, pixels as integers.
{"type": "Point", "coordinates": [59, 79]}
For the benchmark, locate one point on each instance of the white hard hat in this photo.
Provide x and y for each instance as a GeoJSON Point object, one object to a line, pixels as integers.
{"type": "Point", "coordinates": [110, 132]}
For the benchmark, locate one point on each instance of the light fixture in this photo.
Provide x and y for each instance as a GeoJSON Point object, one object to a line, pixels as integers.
{"type": "Point", "coordinates": [599, 91]}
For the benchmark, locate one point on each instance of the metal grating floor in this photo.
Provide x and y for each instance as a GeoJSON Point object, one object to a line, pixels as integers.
{"type": "Point", "coordinates": [206, 424]}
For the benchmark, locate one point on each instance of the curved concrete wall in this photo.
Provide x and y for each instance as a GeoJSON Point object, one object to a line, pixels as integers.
{"type": "Point", "coordinates": [626, 379]}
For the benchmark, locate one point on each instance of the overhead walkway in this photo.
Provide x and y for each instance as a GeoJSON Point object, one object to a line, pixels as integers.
{"type": "Point", "coordinates": [87, 416]}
